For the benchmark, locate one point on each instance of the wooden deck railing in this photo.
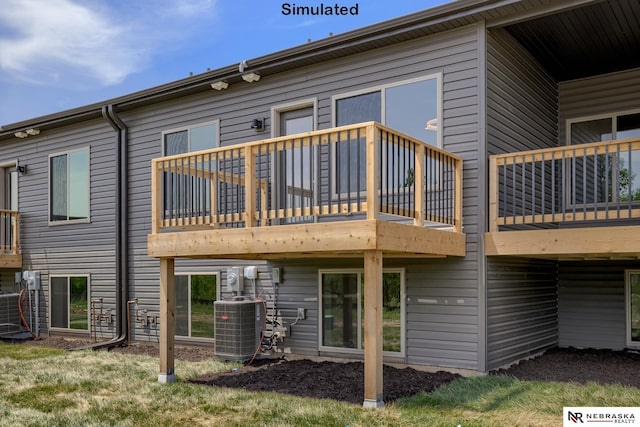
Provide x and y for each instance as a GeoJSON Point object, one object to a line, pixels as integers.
{"type": "Point", "coordinates": [364, 170]}
{"type": "Point", "coordinates": [587, 182]}
{"type": "Point", "coordinates": [9, 228]}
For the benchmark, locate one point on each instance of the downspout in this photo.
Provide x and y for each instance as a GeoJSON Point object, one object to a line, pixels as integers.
{"type": "Point", "coordinates": [122, 246]}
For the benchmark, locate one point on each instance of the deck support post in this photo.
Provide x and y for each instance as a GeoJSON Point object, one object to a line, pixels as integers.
{"type": "Point", "coordinates": [373, 392]}
{"type": "Point", "coordinates": [167, 320]}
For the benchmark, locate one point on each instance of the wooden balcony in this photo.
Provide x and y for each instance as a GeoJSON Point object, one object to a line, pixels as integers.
{"type": "Point", "coordinates": [337, 192]}
{"type": "Point", "coordinates": [10, 256]}
{"type": "Point", "coordinates": [572, 202]}
{"type": "Point", "coordinates": [362, 191]}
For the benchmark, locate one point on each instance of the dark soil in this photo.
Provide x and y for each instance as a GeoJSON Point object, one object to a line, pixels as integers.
{"type": "Point", "coordinates": [327, 380]}
{"type": "Point", "coordinates": [344, 381]}
{"type": "Point", "coordinates": [579, 366]}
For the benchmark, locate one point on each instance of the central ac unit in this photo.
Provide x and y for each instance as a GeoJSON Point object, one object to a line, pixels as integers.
{"type": "Point", "coordinates": [238, 325]}
{"type": "Point", "coordinates": [9, 314]}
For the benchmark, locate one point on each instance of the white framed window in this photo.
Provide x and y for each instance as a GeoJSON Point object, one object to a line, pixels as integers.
{"type": "Point", "coordinates": [195, 295]}
{"type": "Point", "coordinates": [294, 117]}
{"type": "Point", "coordinates": [9, 202]}
{"type": "Point", "coordinates": [632, 306]}
{"type": "Point", "coordinates": [69, 186]}
{"type": "Point", "coordinates": [294, 168]}
{"type": "Point", "coordinates": [611, 176]}
{"type": "Point", "coordinates": [69, 301]}
{"type": "Point", "coordinates": [413, 107]}
{"type": "Point", "coordinates": [202, 136]}
{"type": "Point", "coordinates": [341, 308]}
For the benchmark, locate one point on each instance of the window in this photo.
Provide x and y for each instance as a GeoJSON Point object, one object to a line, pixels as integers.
{"type": "Point", "coordinates": [294, 186]}
{"type": "Point", "coordinates": [184, 193]}
{"type": "Point", "coordinates": [632, 294]}
{"type": "Point", "coordinates": [9, 202]}
{"type": "Point", "coordinates": [69, 186]}
{"type": "Point", "coordinates": [195, 295]}
{"type": "Point", "coordinates": [412, 107]}
{"type": "Point", "coordinates": [342, 311]}
{"type": "Point", "coordinates": [612, 176]}
{"type": "Point", "coordinates": [69, 296]}
{"type": "Point", "coordinates": [194, 138]}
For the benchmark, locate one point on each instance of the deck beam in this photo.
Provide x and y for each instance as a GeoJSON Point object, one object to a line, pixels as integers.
{"type": "Point", "coordinates": [578, 243]}
{"type": "Point", "coordinates": [324, 239]}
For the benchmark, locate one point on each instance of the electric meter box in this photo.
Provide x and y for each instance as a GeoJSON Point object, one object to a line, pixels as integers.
{"type": "Point", "coordinates": [235, 279]}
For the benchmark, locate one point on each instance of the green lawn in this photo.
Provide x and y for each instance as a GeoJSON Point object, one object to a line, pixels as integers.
{"type": "Point", "coordinates": [45, 387]}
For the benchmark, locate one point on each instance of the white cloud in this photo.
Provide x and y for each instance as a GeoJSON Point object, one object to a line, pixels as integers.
{"type": "Point", "coordinates": [68, 41]}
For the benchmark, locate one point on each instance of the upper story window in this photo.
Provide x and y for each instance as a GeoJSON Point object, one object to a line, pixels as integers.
{"type": "Point", "coordinates": [69, 186]}
{"type": "Point", "coordinates": [411, 106]}
{"type": "Point", "coordinates": [193, 138]}
{"type": "Point", "coordinates": [610, 176]}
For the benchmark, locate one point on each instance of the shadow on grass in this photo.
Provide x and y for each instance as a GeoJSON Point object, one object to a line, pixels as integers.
{"type": "Point", "coordinates": [484, 393]}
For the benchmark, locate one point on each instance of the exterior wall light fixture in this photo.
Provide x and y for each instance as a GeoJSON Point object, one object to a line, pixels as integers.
{"type": "Point", "coordinates": [257, 124]}
{"type": "Point", "coordinates": [221, 85]}
{"type": "Point", "coordinates": [27, 132]}
{"type": "Point", "coordinates": [251, 77]}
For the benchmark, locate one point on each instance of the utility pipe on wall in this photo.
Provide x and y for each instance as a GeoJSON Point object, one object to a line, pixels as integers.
{"type": "Point", "coordinates": [122, 246]}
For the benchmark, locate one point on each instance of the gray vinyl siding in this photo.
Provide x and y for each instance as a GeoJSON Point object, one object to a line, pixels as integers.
{"type": "Point", "coordinates": [522, 308]}
{"type": "Point", "coordinates": [591, 304]}
{"type": "Point", "coordinates": [442, 313]}
{"type": "Point", "coordinates": [67, 249]}
{"type": "Point", "coordinates": [521, 98]}
{"type": "Point", "coordinates": [299, 289]}
{"type": "Point", "coordinates": [521, 115]}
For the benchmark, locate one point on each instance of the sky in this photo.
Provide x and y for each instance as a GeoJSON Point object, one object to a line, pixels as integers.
{"type": "Point", "coordinates": [60, 54]}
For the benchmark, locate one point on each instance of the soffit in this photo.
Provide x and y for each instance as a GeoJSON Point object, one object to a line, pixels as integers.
{"type": "Point", "coordinates": [596, 39]}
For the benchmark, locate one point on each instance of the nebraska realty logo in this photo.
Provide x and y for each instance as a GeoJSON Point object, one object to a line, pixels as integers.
{"type": "Point", "coordinates": [603, 416]}
{"type": "Point", "coordinates": [293, 9]}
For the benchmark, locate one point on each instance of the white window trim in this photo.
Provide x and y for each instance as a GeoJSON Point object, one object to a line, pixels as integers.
{"type": "Point", "coordinates": [68, 221]}
{"type": "Point", "coordinates": [382, 88]}
{"type": "Point", "coordinates": [614, 130]}
{"type": "Point", "coordinates": [627, 306]}
{"type": "Point", "coordinates": [360, 273]}
{"type": "Point", "coordinates": [276, 110]}
{"type": "Point", "coordinates": [218, 297]}
{"type": "Point", "coordinates": [68, 277]}
{"type": "Point", "coordinates": [611, 115]}
{"type": "Point", "coordinates": [3, 167]}
{"type": "Point", "coordinates": [188, 129]}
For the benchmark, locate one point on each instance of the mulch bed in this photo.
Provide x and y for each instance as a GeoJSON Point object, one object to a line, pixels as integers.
{"type": "Point", "coordinates": [327, 380]}
{"type": "Point", "coordinates": [579, 366]}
